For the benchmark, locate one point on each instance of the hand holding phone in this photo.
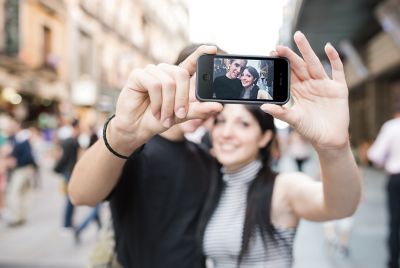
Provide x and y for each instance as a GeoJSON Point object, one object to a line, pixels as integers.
{"type": "Point", "coordinates": [320, 109]}
{"type": "Point", "coordinates": [242, 79]}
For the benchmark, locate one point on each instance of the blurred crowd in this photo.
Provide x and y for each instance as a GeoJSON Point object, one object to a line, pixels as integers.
{"type": "Point", "coordinates": [25, 151]}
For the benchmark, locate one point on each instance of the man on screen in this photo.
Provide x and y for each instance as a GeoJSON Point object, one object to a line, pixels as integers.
{"type": "Point", "coordinates": [229, 86]}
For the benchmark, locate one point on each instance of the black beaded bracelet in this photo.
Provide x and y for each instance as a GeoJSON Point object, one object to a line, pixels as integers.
{"type": "Point", "coordinates": [106, 142]}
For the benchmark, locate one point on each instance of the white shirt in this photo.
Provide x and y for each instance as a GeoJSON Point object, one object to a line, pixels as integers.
{"type": "Point", "coordinates": [385, 151]}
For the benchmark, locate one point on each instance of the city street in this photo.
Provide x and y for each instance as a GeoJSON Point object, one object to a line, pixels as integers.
{"type": "Point", "coordinates": [42, 243]}
{"type": "Point", "coordinates": [367, 240]}
{"type": "Point", "coordinates": [67, 66]}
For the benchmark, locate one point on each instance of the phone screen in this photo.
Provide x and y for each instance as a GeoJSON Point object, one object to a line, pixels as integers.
{"type": "Point", "coordinates": [241, 79]}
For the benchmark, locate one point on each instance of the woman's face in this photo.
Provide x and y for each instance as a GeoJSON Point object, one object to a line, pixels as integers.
{"type": "Point", "coordinates": [235, 68]}
{"type": "Point", "coordinates": [247, 79]}
{"type": "Point", "coordinates": [237, 137]}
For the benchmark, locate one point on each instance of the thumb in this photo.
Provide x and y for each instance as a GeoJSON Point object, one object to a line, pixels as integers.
{"type": "Point", "coordinates": [191, 62]}
{"type": "Point", "coordinates": [280, 112]}
{"type": "Point", "coordinates": [203, 110]}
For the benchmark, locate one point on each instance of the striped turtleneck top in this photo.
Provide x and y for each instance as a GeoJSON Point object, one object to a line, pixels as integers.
{"type": "Point", "coordinates": [223, 234]}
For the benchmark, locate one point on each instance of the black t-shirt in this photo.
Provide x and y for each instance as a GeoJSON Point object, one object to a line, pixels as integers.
{"type": "Point", "coordinates": [157, 203]}
{"type": "Point", "coordinates": [225, 88]}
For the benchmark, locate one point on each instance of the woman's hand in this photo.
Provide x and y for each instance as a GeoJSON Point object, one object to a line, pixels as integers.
{"type": "Point", "coordinates": [154, 99]}
{"type": "Point", "coordinates": [320, 111]}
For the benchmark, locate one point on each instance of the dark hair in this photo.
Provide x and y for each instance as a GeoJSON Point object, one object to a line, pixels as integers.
{"type": "Point", "coordinates": [259, 195]}
{"type": "Point", "coordinates": [75, 123]}
{"type": "Point", "coordinates": [253, 71]}
{"type": "Point", "coordinates": [396, 108]}
{"type": "Point", "coordinates": [232, 60]}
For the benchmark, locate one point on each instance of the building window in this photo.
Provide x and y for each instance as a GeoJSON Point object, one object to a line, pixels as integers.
{"type": "Point", "coordinates": [85, 54]}
{"type": "Point", "coordinates": [46, 49]}
{"type": "Point", "coordinates": [11, 26]}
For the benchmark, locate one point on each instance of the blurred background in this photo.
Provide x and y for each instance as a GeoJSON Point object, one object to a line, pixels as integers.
{"type": "Point", "coordinates": [62, 60]}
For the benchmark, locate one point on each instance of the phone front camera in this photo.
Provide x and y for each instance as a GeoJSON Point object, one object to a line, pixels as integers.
{"type": "Point", "coordinates": [206, 77]}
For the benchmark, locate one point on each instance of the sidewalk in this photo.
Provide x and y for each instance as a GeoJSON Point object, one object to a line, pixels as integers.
{"type": "Point", "coordinates": [41, 242]}
{"type": "Point", "coordinates": [368, 238]}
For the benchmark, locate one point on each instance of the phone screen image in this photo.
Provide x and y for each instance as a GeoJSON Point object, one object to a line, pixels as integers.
{"type": "Point", "coordinates": [243, 79]}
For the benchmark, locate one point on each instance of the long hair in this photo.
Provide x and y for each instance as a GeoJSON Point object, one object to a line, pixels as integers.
{"type": "Point", "coordinates": [259, 195]}
{"type": "Point", "coordinates": [253, 71]}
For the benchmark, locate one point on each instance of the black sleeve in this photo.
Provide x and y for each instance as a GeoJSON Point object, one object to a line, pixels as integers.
{"type": "Point", "coordinates": [125, 181]}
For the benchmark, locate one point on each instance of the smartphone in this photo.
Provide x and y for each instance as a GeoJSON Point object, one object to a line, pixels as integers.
{"type": "Point", "coordinates": [243, 79]}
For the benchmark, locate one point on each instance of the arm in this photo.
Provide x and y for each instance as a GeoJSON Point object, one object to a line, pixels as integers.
{"type": "Point", "coordinates": [336, 197]}
{"type": "Point", "coordinates": [154, 99]}
{"type": "Point", "coordinates": [263, 95]}
{"type": "Point", "coordinates": [320, 113]}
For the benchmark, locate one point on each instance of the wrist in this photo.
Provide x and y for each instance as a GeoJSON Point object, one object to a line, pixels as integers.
{"type": "Point", "coordinates": [123, 141]}
{"type": "Point", "coordinates": [334, 151]}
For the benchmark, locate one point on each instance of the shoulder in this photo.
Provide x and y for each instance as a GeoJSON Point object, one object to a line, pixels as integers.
{"type": "Point", "coordinates": [201, 150]}
{"type": "Point", "coordinates": [391, 124]}
{"type": "Point", "coordinates": [219, 79]}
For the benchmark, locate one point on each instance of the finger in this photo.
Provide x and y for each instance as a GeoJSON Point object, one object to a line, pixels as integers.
{"type": "Point", "coordinates": [293, 77]}
{"type": "Point", "coordinates": [336, 63]}
{"type": "Point", "coordinates": [143, 82]}
{"type": "Point", "coordinates": [280, 112]}
{"type": "Point", "coordinates": [192, 91]}
{"type": "Point", "coordinates": [182, 78]}
{"type": "Point", "coordinates": [314, 65]}
{"type": "Point", "coordinates": [168, 95]}
{"type": "Point", "coordinates": [297, 64]}
{"type": "Point", "coordinates": [191, 62]}
{"type": "Point", "coordinates": [203, 110]}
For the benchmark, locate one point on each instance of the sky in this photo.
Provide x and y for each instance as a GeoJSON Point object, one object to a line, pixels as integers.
{"type": "Point", "coordinates": [239, 27]}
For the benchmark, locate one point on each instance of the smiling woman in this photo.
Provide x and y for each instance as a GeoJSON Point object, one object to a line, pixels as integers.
{"type": "Point", "coordinates": [252, 213]}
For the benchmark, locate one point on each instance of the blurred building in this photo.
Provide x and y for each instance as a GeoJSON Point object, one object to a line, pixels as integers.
{"type": "Point", "coordinates": [73, 56]}
{"type": "Point", "coordinates": [367, 35]}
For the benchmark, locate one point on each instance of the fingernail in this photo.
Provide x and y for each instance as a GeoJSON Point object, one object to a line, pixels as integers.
{"type": "Point", "coordinates": [181, 113]}
{"type": "Point", "coordinates": [167, 122]}
{"type": "Point", "coordinates": [157, 116]}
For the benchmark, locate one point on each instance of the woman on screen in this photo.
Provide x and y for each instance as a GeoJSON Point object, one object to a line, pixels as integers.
{"type": "Point", "coordinates": [249, 81]}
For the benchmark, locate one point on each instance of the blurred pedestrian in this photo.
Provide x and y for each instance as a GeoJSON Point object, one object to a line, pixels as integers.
{"type": "Point", "coordinates": [94, 214]}
{"type": "Point", "coordinates": [337, 235]}
{"type": "Point", "coordinates": [22, 166]}
{"type": "Point", "coordinates": [385, 152]}
{"type": "Point", "coordinates": [69, 155]}
{"type": "Point", "coordinates": [3, 168]}
{"type": "Point", "coordinates": [299, 149]}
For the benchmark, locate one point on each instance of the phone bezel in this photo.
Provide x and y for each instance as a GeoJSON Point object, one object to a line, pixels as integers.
{"type": "Point", "coordinates": [205, 66]}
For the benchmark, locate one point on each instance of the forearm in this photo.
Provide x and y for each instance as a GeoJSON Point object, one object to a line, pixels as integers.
{"type": "Point", "coordinates": [98, 170]}
{"type": "Point", "coordinates": [342, 182]}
